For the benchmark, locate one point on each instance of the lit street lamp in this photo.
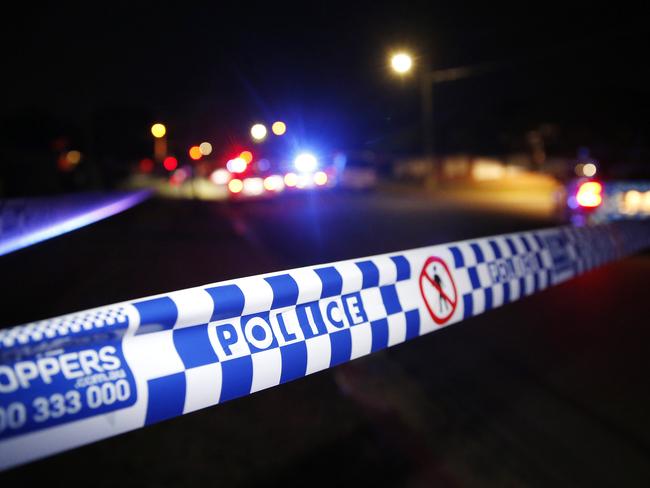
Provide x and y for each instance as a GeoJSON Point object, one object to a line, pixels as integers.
{"type": "Point", "coordinates": [158, 131]}
{"type": "Point", "coordinates": [402, 63]}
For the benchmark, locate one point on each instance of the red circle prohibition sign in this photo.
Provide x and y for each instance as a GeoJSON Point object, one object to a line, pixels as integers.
{"type": "Point", "coordinates": [444, 297]}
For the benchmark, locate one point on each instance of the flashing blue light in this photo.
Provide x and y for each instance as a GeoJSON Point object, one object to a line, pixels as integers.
{"type": "Point", "coordinates": [306, 163]}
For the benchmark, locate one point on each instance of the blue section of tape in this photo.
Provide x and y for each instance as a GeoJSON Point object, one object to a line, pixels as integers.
{"type": "Point", "coordinates": [236, 378]}
{"type": "Point", "coordinates": [294, 361]}
{"type": "Point", "coordinates": [495, 249]}
{"type": "Point", "coordinates": [390, 299]}
{"type": "Point", "coordinates": [193, 346]}
{"type": "Point", "coordinates": [488, 299]}
{"type": "Point", "coordinates": [369, 272]}
{"type": "Point", "coordinates": [341, 343]}
{"type": "Point", "coordinates": [511, 246]}
{"type": "Point", "coordinates": [285, 290]}
{"type": "Point", "coordinates": [459, 261]}
{"type": "Point", "coordinates": [412, 324]}
{"type": "Point", "coordinates": [331, 281]}
{"type": "Point", "coordinates": [379, 334]}
{"type": "Point", "coordinates": [166, 398]}
{"type": "Point", "coordinates": [473, 277]}
{"type": "Point", "coordinates": [156, 314]}
{"type": "Point", "coordinates": [478, 253]}
{"type": "Point", "coordinates": [228, 301]}
{"type": "Point", "coordinates": [403, 267]}
{"type": "Point", "coordinates": [468, 310]}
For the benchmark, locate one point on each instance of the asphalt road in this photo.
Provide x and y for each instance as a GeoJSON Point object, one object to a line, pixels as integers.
{"type": "Point", "coordinates": [550, 390]}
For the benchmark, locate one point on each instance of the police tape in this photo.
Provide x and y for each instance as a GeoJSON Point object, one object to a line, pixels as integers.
{"type": "Point", "coordinates": [79, 378]}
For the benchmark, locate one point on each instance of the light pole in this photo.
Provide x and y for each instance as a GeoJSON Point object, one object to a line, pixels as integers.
{"type": "Point", "coordinates": [159, 131]}
{"type": "Point", "coordinates": [402, 63]}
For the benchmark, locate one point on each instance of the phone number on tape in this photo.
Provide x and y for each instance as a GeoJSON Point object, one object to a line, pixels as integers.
{"type": "Point", "coordinates": [62, 386]}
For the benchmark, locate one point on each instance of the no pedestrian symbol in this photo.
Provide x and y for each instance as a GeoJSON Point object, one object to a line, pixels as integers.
{"type": "Point", "coordinates": [438, 290]}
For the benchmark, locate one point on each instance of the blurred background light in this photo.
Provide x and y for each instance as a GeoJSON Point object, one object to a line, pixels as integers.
{"type": "Point", "coordinates": [236, 185]}
{"type": "Point", "coordinates": [73, 157]}
{"type": "Point", "coordinates": [253, 186]}
{"type": "Point", "coordinates": [158, 130]}
{"type": "Point", "coordinates": [236, 165]}
{"type": "Point", "coordinates": [258, 132]}
{"type": "Point", "coordinates": [589, 194]}
{"type": "Point", "coordinates": [195, 153]}
{"type": "Point", "coordinates": [246, 156]}
{"type": "Point", "coordinates": [320, 178]}
{"type": "Point", "coordinates": [632, 202]}
{"type": "Point", "coordinates": [279, 128]}
{"type": "Point", "coordinates": [220, 176]}
{"type": "Point", "coordinates": [305, 163]}
{"type": "Point", "coordinates": [487, 169]}
{"type": "Point", "coordinates": [205, 148]}
{"type": "Point", "coordinates": [263, 165]}
{"type": "Point", "coordinates": [304, 180]}
{"type": "Point", "coordinates": [291, 179]}
{"type": "Point", "coordinates": [274, 183]}
{"type": "Point", "coordinates": [170, 163]}
{"type": "Point", "coordinates": [146, 165]}
{"type": "Point", "coordinates": [589, 170]}
{"type": "Point", "coordinates": [179, 176]}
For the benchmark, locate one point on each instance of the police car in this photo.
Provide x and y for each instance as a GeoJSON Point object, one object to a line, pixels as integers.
{"type": "Point", "coordinates": [267, 171]}
{"type": "Point", "coordinates": [590, 200]}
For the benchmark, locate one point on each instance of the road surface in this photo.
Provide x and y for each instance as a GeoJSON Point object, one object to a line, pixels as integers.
{"type": "Point", "coordinates": [550, 390]}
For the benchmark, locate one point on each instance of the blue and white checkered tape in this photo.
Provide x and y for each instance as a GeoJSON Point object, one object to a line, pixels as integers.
{"type": "Point", "coordinates": [71, 380]}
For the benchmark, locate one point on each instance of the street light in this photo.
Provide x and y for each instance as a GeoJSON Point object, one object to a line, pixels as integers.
{"type": "Point", "coordinates": [158, 131]}
{"type": "Point", "coordinates": [401, 62]}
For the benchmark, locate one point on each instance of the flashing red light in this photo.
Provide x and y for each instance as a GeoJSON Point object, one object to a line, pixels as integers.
{"type": "Point", "coordinates": [170, 163]}
{"type": "Point", "coordinates": [590, 194]}
{"type": "Point", "coordinates": [146, 165]}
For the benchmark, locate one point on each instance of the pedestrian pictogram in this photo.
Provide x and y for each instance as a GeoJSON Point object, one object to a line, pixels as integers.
{"type": "Point", "coordinates": [438, 290]}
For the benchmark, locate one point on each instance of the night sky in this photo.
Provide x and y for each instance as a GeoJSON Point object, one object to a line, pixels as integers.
{"type": "Point", "coordinates": [99, 76]}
